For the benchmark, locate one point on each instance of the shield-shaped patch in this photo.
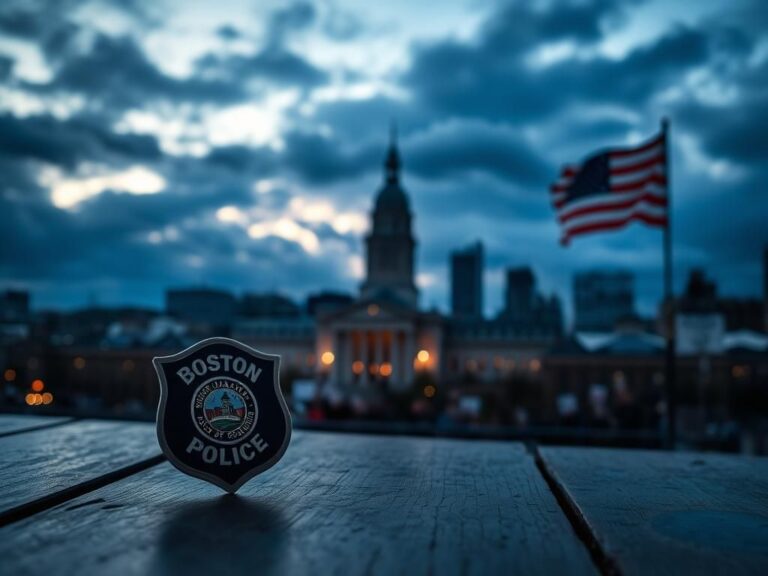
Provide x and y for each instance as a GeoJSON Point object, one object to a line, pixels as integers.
{"type": "Point", "coordinates": [222, 416]}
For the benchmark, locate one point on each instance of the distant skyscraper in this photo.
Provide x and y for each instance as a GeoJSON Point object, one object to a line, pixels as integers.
{"type": "Point", "coordinates": [467, 281]}
{"type": "Point", "coordinates": [521, 292]}
{"type": "Point", "coordinates": [701, 297]}
{"type": "Point", "coordinates": [526, 309]}
{"type": "Point", "coordinates": [601, 298]}
{"type": "Point", "coordinates": [14, 306]}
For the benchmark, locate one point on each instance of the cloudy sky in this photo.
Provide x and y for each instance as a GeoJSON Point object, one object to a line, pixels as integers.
{"type": "Point", "coordinates": [239, 144]}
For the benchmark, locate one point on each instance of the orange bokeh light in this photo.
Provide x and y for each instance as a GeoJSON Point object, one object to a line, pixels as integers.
{"type": "Point", "coordinates": [29, 399]}
{"type": "Point", "coordinates": [386, 369]}
{"type": "Point", "coordinates": [9, 375]}
{"type": "Point", "coordinates": [327, 358]}
{"type": "Point", "coordinates": [37, 385]}
{"type": "Point", "coordinates": [358, 367]}
{"type": "Point", "coordinates": [429, 391]}
{"type": "Point", "coordinates": [422, 356]}
{"type": "Point", "coordinates": [47, 398]}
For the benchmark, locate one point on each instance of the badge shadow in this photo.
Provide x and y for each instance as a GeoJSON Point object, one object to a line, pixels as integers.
{"type": "Point", "coordinates": [231, 534]}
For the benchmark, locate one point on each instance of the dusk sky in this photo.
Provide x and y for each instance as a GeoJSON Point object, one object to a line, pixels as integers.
{"type": "Point", "coordinates": [240, 144]}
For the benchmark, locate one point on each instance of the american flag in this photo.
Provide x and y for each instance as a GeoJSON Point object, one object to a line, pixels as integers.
{"type": "Point", "coordinates": [613, 188]}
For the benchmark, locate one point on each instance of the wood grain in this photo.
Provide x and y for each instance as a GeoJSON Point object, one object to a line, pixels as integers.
{"type": "Point", "coordinates": [15, 423]}
{"type": "Point", "coordinates": [336, 504]}
{"type": "Point", "coordinates": [669, 513]}
{"type": "Point", "coordinates": [37, 464]}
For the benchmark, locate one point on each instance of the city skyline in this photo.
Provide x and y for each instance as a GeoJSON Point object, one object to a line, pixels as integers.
{"type": "Point", "coordinates": [240, 147]}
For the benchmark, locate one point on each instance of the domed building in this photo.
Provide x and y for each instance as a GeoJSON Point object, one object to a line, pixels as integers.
{"type": "Point", "coordinates": [390, 246]}
{"type": "Point", "coordinates": [381, 340]}
{"type": "Point", "coordinates": [383, 337]}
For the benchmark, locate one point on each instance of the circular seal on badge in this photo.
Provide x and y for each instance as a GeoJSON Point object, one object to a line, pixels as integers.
{"type": "Point", "coordinates": [224, 410]}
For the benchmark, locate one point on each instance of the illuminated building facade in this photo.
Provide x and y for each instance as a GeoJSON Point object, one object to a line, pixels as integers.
{"type": "Point", "coordinates": [382, 339]}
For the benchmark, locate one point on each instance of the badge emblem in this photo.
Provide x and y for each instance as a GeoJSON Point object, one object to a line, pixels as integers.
{"type": "Point", "coordinates": [222, 416]}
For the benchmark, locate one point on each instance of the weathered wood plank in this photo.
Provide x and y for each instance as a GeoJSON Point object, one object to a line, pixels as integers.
{"type": "Point", "coordinates": [336, 504]}
{"type": "Point", "coordinates": [669, 513]}
{"type": "Point", "coordinates": [39, 464]}
{"type": "Point", "coordinates": [15, 423]}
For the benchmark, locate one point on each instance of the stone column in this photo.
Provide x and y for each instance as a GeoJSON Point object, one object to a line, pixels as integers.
{"type": "Point", "coordinates": [366, 358]}
{"type": "Point", "coordinates": [346, 367]}
{"type": "Point", "coordinates": [396, 380]}
{"type": "Point", "coordinates": [335, 372]}
{"type": "Point", "coordinates": [378, 352]}
{"type": "Point", "coordinates": [410, 353]}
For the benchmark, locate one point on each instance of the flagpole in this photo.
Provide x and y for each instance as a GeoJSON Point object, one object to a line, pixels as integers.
{"type": "Point", "coordinates": [669, 306]}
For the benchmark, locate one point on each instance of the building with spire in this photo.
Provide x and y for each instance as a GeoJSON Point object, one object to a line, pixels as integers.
{"type": "Point", "coordinates": [382, 338]}
{"type": "Point", "coordinates": [390, 246]}
{"type": "Point", "coordinates": [382, 341]}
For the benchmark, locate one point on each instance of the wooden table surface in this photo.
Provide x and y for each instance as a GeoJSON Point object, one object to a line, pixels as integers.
{"type": "Point", "coordinates": [95, 497]}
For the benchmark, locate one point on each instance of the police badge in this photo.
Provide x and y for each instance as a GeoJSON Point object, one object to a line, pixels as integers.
{"type": "Point", "coordinates": [222, 416]}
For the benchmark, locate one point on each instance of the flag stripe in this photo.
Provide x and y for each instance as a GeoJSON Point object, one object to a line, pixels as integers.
{"type": "Point", "coordinates": [640, 205]}
{"type": "Point", "coordinates": [616, 187]}
{"type": "Point", "coordinates": [659, 179]}
{"type": "Point", "coordinates": [650, 220]}
{"type": "Point", "coordinates": [640, 149]}
{"type": "Point", "coordinates": [618, 203]}
{"type": "Point", "coordinates": [628, 160]}
{"type": "Point", "coordinates": [639, 164]}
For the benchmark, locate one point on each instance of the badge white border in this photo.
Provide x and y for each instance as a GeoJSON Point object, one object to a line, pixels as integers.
{"type": "Point", "coordinates": [158, 361]}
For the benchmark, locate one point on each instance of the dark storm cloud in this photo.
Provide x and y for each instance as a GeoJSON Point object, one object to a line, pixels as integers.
{"type": "Point", "coordinates": [244, 159]}
{"type": "Point", "coordinates": [107, 236]}
{"type": "Point", "coordinates": [322, 160]}
{"type": "Point", "coordinates": [460, 148]}
{"type": "Point", "coordinates": [68, 142]}
{"type": "Point", "coordinates": [21, 23]}
{"type": "Point", "coordinates": [517, 26]}
{"type": "Point", "coordinates": [6, 67]}
{"type": "Point", "coordinates": [742, 134]}
{"type": "Point", "coordinates": [739, 134]}
{"type": "Point", "coordinates": [370, 119]}
{"type": "Point", "coordinates": [274, 64]}
{"type": "Point", "coordinates": [49, 24]}
{"type": "Point", "coordinates": [498, 85]}
{"type": "Point", "coordinates": [115, 72]}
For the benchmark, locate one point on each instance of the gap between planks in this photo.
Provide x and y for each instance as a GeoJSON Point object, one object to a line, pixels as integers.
{"type": "Point", "coordinates": [604, 562]}
{"type": "Point", "coordinates": [42, 426]}
{"type": "Point", "coordinates": [46, 502]}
